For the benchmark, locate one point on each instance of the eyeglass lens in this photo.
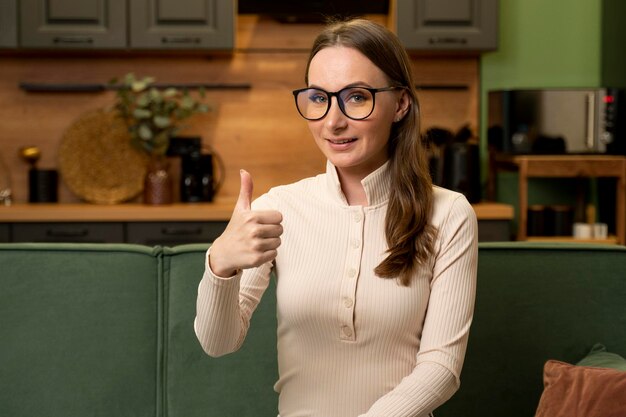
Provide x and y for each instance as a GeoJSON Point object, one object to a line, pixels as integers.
{"type": "Point", "coordinates": [354, 102]}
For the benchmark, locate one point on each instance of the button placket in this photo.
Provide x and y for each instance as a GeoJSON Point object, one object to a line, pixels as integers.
{"type": "Point", "coordinates": [350, 276]}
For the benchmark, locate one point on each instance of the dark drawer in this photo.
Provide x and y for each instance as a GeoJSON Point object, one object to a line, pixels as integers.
{"type": "Point", "coordinates": [5, 233]}
{"type": "Point", "coordinates": [69, 232]}
{"type": "Point", "coordinates": [173, 233]}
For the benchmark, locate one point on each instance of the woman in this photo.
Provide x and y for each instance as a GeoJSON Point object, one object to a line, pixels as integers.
{"type": "Point", "coordinates": [375, 267]}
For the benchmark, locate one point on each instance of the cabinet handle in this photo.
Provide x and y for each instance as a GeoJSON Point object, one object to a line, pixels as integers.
{"type": "Point", "coordinates": [448, 40]}
{"type": "Point", "coordinates": [72, 40]}
{"type": "Point", "coordinates": [67, 233]}
{"type": "Point", "coordinates": [180, 40]}
{"type": "Point", "coordinates": [591, 121]}
{"type": "Point", "coordinates": [169, 231]}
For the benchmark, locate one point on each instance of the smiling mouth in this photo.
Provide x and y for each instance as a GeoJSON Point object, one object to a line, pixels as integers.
{"type": "Point", "coordinates": [341, 141]}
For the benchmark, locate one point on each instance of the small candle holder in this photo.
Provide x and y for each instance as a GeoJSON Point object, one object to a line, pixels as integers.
{"type": "Point", "coordinates": [42, 183]}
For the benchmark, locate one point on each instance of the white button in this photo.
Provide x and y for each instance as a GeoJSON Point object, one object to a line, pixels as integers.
{"type": "Point", "coordinates": [352, 272]}
{"type": "Point", "coordinates": [357, 217]}
{"type": "Point", "coordinates": [347, 302]}
{"type": "Point", "coordinates": [356, 243]}
{"type": "Point", "coordinates": [346, 331]}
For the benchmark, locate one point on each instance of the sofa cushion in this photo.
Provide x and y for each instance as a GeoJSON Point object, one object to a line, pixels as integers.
{"type": "Point", "coordinates": [582, 391]}
{"type": "Point", "coordinates": [600, 358]}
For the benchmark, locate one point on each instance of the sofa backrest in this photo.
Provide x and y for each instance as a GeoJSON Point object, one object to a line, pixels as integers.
{"type": "Point", "coordinates": [107, 330]}
{"type": "Point", "coordinates": [537, 302]}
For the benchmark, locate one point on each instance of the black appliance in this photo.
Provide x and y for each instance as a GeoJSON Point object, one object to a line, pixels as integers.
{"type": "Point", "coordinates": [454, 161]}
{"type": "Point", "coordinates": [198, 182]}
{"type": "Point", "coordinates": [558, 120]}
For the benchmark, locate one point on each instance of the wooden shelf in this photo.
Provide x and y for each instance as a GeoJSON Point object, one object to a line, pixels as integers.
{"type": "Point", "coordinates": [611, 240]}
{"type": "Point", "coordinates": [563, 166]}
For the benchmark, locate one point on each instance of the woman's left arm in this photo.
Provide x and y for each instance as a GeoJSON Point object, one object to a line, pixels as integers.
{"type": "Point", "coordinates": [436, 376]}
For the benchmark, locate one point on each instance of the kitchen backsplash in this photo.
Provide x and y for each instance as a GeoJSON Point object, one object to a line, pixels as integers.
{"type": "Point", "coordinates": [257, 128]}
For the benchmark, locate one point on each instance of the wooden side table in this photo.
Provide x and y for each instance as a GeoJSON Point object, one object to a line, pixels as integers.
{"type": "Point", "coordinates": [565, 166]}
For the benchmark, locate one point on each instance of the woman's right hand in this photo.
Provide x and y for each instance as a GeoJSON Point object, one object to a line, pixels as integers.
{"type": "Point", "coordinates": [250, 239]}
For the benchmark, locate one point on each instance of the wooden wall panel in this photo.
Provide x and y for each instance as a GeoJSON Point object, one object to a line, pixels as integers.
{"type": "Point", "coordinates": [257, 129]}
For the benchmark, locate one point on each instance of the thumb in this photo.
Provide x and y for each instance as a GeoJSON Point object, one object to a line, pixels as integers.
{"type": "Point", "coordinates": [245, 192]}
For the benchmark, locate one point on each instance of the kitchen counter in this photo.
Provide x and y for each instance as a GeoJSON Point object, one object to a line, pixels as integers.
{"type": "Point", "coordinates": [166, 225]}
{"type": "Point", "coordinates": [180, 212]}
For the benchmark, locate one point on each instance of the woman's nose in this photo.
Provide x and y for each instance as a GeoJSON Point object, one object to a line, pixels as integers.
{"type": "Point", "coordinates": [335, 119]}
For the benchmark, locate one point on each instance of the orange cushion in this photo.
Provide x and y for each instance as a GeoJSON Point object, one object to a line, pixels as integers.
{"type": "Point", "coordinates": [582, 391]}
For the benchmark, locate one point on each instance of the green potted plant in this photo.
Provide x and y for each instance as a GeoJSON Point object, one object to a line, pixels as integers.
{"type": "Point", "coordinates": [153, 116]}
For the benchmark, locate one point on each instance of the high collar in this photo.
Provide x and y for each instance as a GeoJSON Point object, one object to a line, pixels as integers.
{"type": "Point", "coordinates": [376, 184]}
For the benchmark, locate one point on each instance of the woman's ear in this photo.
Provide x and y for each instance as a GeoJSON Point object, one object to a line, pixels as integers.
{"type": "Point", "coordinates": [403, 105]}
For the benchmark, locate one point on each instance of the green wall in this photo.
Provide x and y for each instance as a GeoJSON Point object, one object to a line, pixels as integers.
{"type": "Point", "coordinates": [554, 43]}
{"type": "Point", "coordinates": [613, 37]}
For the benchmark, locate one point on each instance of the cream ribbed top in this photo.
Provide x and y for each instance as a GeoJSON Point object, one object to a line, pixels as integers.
{"type": "Point", "coordinates": [350, 343]}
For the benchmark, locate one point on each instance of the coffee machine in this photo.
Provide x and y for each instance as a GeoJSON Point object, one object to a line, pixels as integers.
{"type": "Point", "coordinates": [198, 182]}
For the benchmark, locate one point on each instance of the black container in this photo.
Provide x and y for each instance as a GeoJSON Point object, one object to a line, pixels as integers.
{"type": "Point", "coordinates": [559, 220]}
{"type": "Point", "coordinates": [556, 220]}
{"type": "Point", "coordinates": [536, 221]}
{"type": "Point", "coordinates": [461, 169]}
{"type": "Point", "coordinates": [197, 183]}
{"type": "Point", "coordinates": [43, 186]}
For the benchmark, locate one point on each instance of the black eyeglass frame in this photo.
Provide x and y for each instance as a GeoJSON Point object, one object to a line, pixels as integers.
{"type": "Point", "coordinates": [340, 102]}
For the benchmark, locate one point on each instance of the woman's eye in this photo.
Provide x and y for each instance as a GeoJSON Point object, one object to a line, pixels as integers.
{"type": "Point", "coordinates": [318, 98]}
{"type": "Point", "coordinates": [356, 97]}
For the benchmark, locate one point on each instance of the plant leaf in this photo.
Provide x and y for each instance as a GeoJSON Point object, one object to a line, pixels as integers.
{"type": "Point", "coordinates": [144, 132]}
{"type": "Point", "coordinates": [187, 102]}
{"type": "Point", "coordinates": [170, 93]}
{"type": "Point", "coordinates": [142, 113]}
{"type": "Point", "coordinates": [161, 121]}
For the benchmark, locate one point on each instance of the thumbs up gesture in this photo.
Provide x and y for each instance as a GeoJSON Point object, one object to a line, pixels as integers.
{"type": "Point", "coordinates": [251, 237]}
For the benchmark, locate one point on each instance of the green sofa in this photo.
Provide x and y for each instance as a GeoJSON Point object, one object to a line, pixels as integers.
{"type": "Point", "coordinates": [107, 330]}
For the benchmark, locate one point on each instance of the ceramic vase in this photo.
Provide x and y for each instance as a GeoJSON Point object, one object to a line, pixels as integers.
{"type": "Point", "coordinates": [158, 183]}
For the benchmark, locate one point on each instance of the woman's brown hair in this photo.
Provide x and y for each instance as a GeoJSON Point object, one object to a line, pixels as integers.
{"type": "Point", "coordinates": [410, 237]}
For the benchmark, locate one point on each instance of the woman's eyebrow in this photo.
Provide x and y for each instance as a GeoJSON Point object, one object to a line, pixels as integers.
{"type": "Point", "coordinates": [354, 84]}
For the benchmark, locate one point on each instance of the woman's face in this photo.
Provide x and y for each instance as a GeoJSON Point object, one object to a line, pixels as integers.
{"type": "Point", "coordinates": [354, 146]}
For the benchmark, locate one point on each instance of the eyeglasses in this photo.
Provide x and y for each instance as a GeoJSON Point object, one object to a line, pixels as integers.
{"type": "Point", "coordinates": [357, 103]}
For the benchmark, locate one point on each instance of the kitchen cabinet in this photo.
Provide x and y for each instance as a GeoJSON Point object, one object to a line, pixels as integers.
{"type": "Point", "coordinates": [123, 24]}
{"type": "Point", "coordinates": [165, 225]}
{"type": "Point", "coordinates": [73, 24]}
{"type": "Point", "coordinates": [5, 233]}
{"type": "Point", "coordinates": [182, 24]}
{"type": "Point", "coordinates": [143, 233]}
{"type": "Point", "coordinates": [8, 24]}
{"type": "Point", "coordinates": [447, 25]}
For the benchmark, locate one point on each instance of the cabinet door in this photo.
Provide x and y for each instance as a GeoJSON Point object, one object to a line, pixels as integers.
{"type": "Point", "coordinates": [75, 24]}
{"type": "Point", "coordinates": [182, 24]}
{"type": "Point", "coordinates": [447, 24]}
{"type": "Point", "coordinates": [5, 233]}
{"type": "Point", "coordinates": [8, 23]}
{"type": "Point", "coordinates": [173, 233]}
{"type": "Point", "coordinates": [69, 232]}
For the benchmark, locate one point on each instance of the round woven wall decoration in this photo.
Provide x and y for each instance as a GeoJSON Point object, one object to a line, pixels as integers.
{"type": "Point", "coordinates": [97, 160]}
